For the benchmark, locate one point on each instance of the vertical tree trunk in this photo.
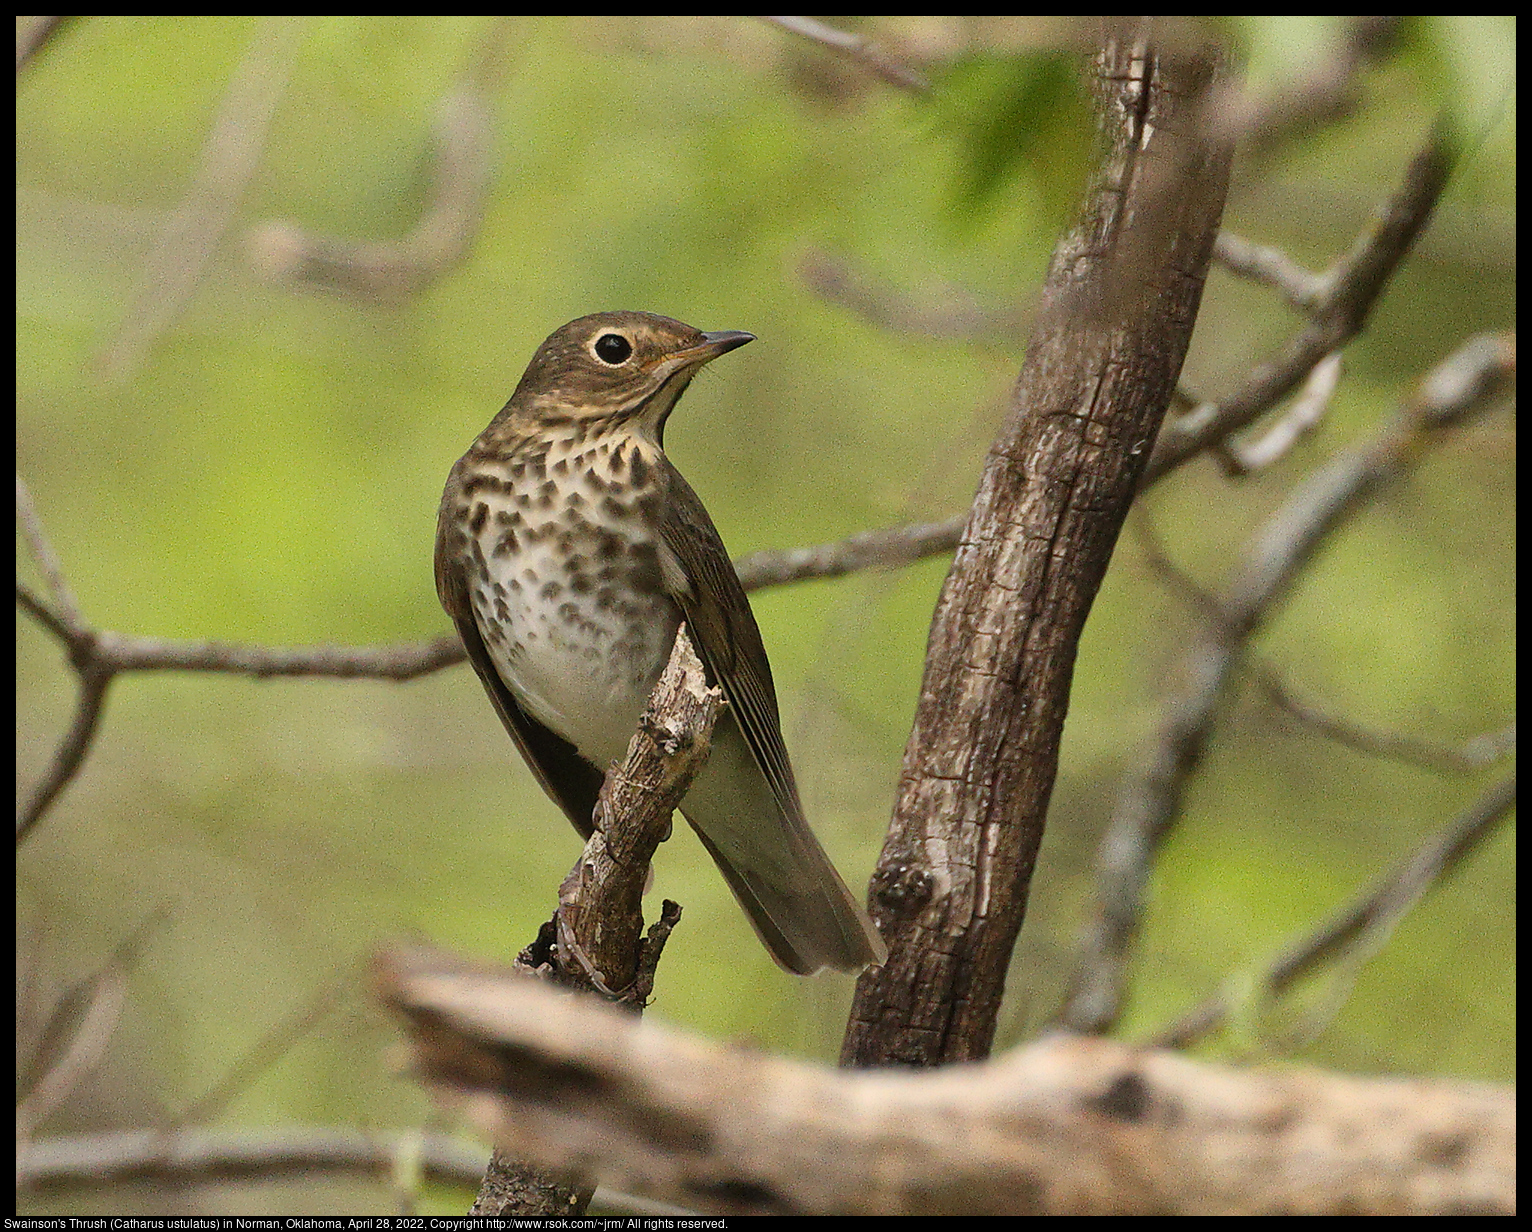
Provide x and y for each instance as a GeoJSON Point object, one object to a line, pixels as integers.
{"type": "Point", "coordinates": [1116, 315]}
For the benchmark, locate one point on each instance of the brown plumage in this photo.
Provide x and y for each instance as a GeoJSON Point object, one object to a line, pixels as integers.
{"type": "Point", "coordinates": [568, 550]}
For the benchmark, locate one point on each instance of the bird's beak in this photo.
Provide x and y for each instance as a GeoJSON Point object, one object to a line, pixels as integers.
{"type": "Point", "coordinates": [724, 340]}
{"type": "Point", "coordinates": [720, 342]}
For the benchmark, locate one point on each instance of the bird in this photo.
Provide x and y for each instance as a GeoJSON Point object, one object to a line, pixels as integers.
{"type": "Point", "coordinates": [569, 550]}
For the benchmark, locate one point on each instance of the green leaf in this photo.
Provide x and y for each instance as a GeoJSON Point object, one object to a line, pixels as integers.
{"type": "Point", "coordinates": [1013, 118]}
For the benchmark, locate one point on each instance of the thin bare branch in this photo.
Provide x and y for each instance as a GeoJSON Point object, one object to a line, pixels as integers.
{"type": "Point", "coordinates": [1271, 267]}
{"type": "Point", "coordinates": [32, 34]}
{"type": "Point", "coordinates": [857, 48]}
{"type": "Point", "coordinates": [47, 559]}
{"type": "Point", "coordinates": [195, 228]}
{"type": "Point", "coordinates": [1368, 922]}
{"type": "Point", "coordinates": [72, 1037]}
{"type": "Point", "coordinates": [1191, 592]}
{"type": "Point", "coordinates": [461, 174]}
{"type": "Point", "coordinates": [41, 1035]}
{"type": "Point", "coordinates": [898, 545]}
{"type": "Point", "coordinates": [84, 1051]}
{"type": "Point", "coordinates": [1473, 755]}
{"type": "Point", "coordinates": [1328, 91]}
{"type": "Point", "coordinates": [1352, 287]}
{"type": "Point", "coordinates": [199, 1157]}
{"type": "Point", "coordinates": [97, 658]}
{"type": "Point", "coordinates": [1302, 417]}
{"type": "Point", "coordinates": [272, 1046]}
{"type": "Point", "coordinates": [402, 662]}
{"type": "Point", "coordinates": [206, 1157]}
{"type": "Point", "coordinates": [946, 312]}
{"type": "Point", "coordinates": [38, 608]}
{"type": "Point", "coordinates": [90, 701]}
{"type": "Point", "coordinates": [1464, 386]}
{"type": "Point", "coordinates": [116, 652]}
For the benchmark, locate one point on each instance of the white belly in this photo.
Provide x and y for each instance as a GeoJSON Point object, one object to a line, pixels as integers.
{"type": "Point", "coordinates": [582, 648]}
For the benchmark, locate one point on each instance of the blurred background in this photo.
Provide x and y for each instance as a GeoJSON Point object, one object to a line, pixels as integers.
{"type": "Point", "coordinates": [232, 433]}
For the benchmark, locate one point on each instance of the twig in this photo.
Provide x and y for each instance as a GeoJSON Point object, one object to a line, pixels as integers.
{"type": "Point", "coordinates": [47, 559]}
{"type": "Point", "coordinates": [90, 701]}
{"type": "Point", "coordinates": [1270, 267]}
{"type": "Point", "coordinates": [1473, 755]}
{"type": "Point", "coordinates": [1327, 92]}
{"type": "Point", "coordinates": [1302, 417]}
{"type": "Point", "coordinates": [205, 1157]}
{"type": "Point", "coordinates": [461, 174]}
{"type": "Point", "coordinates": [39, 1036]}
{"type": "Point", "coordinates": [192, 233]}
{"type": "Point", "coordinates": [1338, 315]}
{"type": "Point", "coordinates": [898, 545]}
{"type": "Point", "coordinates": [271, 1047]}
{"type": "Point", "coordinates": [1191, 592]}
{"type": "Point", "coordinates": [122, 653]}
{"type": "Point", "coordinates": [32, 34]}
{"type": "Point", "coordinates": [857, 48]}
{"type": "Point", "coordinates": [1370, 920]}
{"type": "Point", "coordinates": [97, 658]}
{"type": "Point", "coordinates": [200, 1157]}
{"type": "Point", "coordinates": [1459, 389]}
{"type": "Point", "coordinates": [957, 315]}
{"type": "Point", "coordinates": [87, 1045]}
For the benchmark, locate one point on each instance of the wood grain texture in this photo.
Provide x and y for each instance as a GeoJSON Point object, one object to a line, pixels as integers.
{"type": "Point", "coordinates": [1117, 311]}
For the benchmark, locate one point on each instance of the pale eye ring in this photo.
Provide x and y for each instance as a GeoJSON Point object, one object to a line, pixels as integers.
{"type": "Point", "coordinates": [612, 349]}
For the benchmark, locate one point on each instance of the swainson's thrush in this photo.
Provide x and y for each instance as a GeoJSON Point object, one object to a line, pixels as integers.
{"type": "Point", "coordinates": [568, 551]}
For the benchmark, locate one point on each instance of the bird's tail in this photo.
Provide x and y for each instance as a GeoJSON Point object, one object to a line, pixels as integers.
{"type": "Point", "coordinates": [797, 902]}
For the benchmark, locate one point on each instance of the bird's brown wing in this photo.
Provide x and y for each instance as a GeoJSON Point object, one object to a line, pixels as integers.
{"type": "Point", "coordinates": [782, 877]}
{"type": "Point", "coordinates": [727, 637]}
{"type": "Point", "coordinates": [570, 781]}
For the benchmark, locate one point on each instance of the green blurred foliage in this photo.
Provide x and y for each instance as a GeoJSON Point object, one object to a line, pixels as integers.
{"type": "Point", "coordinates": [1014, 122]}
{"type": "Point", "coordinates": [269, 473]}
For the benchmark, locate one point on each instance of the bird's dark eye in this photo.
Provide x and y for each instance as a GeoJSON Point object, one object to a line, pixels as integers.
{"type": "Point", "coordinates": [613, 349]}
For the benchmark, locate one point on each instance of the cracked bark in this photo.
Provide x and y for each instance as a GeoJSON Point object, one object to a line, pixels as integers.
{"type": "Point", "coordinates": [1116, 315]}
